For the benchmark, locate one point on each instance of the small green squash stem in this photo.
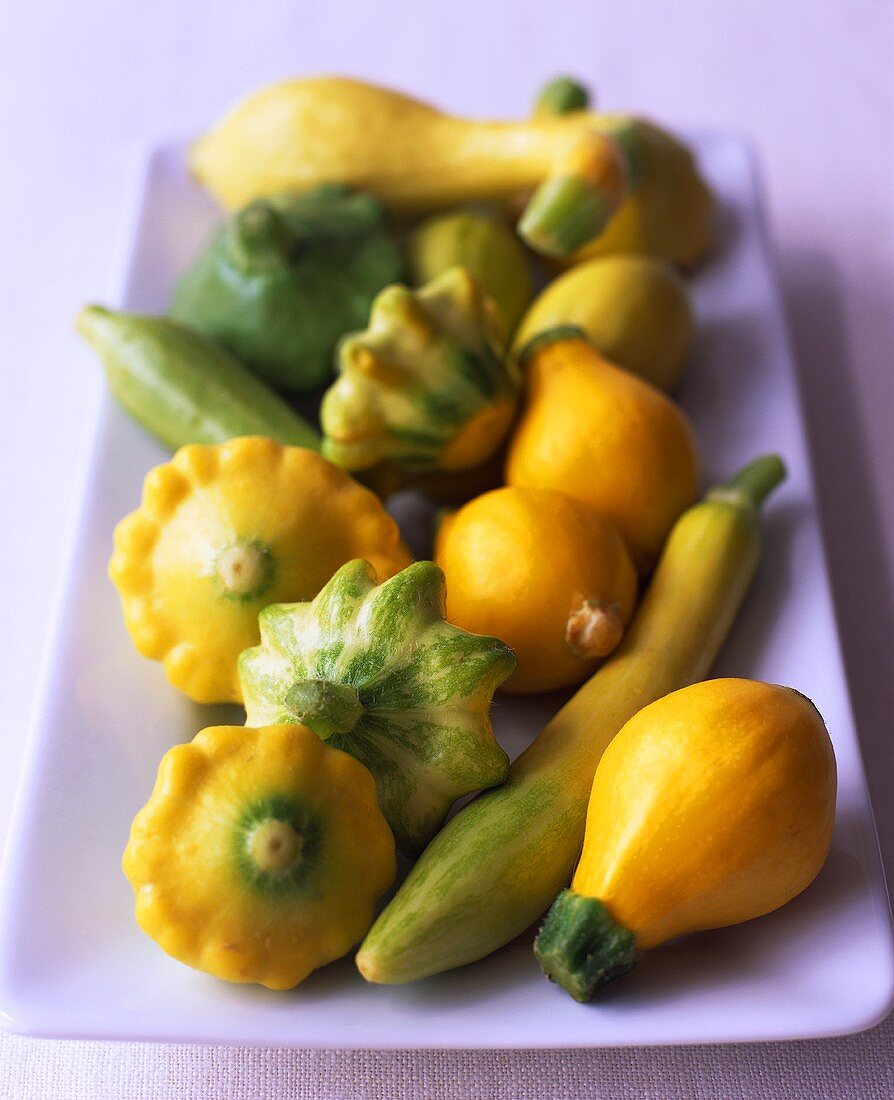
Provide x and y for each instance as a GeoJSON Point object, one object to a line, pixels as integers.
{"type": "Point", "coordinates": [260, 240]}
{"type": "Point", "coordinates": [561, 96]}
{"type": "Point", "coordinates": [564, 214]}
{"type": "Point", "coordinates": [244, 569]}
{"type": "Point", "coordinates": [753, 484]}
{"type": "Point", "coordinates": [326, 708]}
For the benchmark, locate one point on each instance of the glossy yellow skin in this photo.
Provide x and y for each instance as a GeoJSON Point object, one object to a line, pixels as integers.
{"type": "Point", "coordinates": [519, 564]}
{"type": "Point", "coordinates": [298, 514]}
{"type": "Point", "coordinates": [300, 133]}
{"type": "Point", "coordinates": [712, 806]}
{"type": "Point", "coordinates": [635, 309]}
{"type": "Point", "coordinates": [607, 438]}
{"type": "Point", "coordinates": [193, 897]}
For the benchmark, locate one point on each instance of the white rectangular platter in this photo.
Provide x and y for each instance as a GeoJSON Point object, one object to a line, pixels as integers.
{"type": "Point", "coordinates": [72, 961]}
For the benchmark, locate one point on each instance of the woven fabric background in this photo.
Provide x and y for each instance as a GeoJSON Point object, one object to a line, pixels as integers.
{"type": "Point", "coordinates": [856, 1068]}
{"type": "Point", "coordinates": [811, 82]}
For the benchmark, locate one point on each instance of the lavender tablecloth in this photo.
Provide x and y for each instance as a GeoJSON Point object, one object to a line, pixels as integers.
{"type": "Point", "coordinates": [810, 81]}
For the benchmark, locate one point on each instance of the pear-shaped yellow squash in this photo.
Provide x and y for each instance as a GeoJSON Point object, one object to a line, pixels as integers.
{"type": "Point", "coordinates": [605, 437]}
{"type": "Point", "coordinates": [712, 806]}
{"type": "Point", "coordinates": [543, 573]}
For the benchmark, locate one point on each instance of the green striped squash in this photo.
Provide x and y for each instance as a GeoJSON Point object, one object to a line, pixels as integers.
{"type": "Point", "coordinates": [375, 670]}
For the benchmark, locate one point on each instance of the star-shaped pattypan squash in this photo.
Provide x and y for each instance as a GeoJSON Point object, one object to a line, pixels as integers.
{"type": "Point", "coordinates": [260, 854]}
{"type": "Point", "coordinates": [427, 385]}
{"type": "Point", "coordinates": [376, 671]}
{"type": "Point", "coordinates": [224, 530]}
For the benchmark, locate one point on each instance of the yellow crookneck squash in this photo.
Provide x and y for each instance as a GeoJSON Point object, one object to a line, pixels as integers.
{"type": "Point", "coordinates": [712, 806]}
{"type": "Point", "coordinates": [222, 532]}
{"type": "Point", "coordinates": [606, 438]}
{"type": "Point", "coordinates": [302, 133]}
{"type": "Point", "coordinates": [260, 854]}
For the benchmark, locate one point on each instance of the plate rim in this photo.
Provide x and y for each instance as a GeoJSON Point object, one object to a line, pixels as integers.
{"type": "Point", "coordinates": [17, 1018]}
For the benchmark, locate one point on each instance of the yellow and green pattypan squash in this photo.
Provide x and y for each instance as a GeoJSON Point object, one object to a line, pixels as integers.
{"type": "Point", "coordinates": [260, 854]}
{"type": "Point", "coordinates": [377, 672]}
{"type": "Point", "coordinates": [223, 531]}
{"type": "Point", "coordinates": [286, 277]}
{"type": "Point", "coordinates": [427, 385]}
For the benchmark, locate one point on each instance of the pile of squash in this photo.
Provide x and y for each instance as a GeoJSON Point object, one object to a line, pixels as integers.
{"type": "Point", "coordinates": [369, 262]}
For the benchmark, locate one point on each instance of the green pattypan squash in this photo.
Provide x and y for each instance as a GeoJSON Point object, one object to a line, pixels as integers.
{"type": "Point", "coordinates": [377, 672]}
{"type": "Point", "coordinates": [286, 277]}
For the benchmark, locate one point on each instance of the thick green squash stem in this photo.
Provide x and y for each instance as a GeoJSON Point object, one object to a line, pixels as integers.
{"type": "Point", "coordinates": [581, 948]}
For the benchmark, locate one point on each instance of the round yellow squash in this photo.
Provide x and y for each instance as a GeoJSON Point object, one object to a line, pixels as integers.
{"type": "Point", "coordinates": [225, 530]}
{"type": "Point", "coordinates": [260, 854]}
{"type": "Point", "coordinates": [543, 573]}
{"type": "Point", "coordinates": [634, 309]}
{"type": "Point", "coordinates": [712, 806]}
{"type": "Point", "coordinates": [604, 437]}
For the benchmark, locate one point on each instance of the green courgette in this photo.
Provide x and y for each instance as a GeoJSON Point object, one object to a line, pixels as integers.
{"type": "Point", "coordinates": [497, 866]}
{"type": "Point", "coordinates": [181, 387]}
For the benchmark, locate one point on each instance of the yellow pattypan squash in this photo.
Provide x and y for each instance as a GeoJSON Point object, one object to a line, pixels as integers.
{"type": "Point", "coordinates": [260, 854]}
{"type": "Point", "coordinates": [545, 574]}
{"type": "Point", "coordinates": [225, 530]}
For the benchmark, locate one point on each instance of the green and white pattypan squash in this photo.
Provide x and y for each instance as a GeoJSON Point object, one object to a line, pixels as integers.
{"type": "Point", "coordinates": [375, 670]}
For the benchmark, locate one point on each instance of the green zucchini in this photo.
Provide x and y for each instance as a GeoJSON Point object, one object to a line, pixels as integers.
{"type": "Point", "coordinates": [181, 387]}
{"type": "Point", "coordinates": [497, 866]}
